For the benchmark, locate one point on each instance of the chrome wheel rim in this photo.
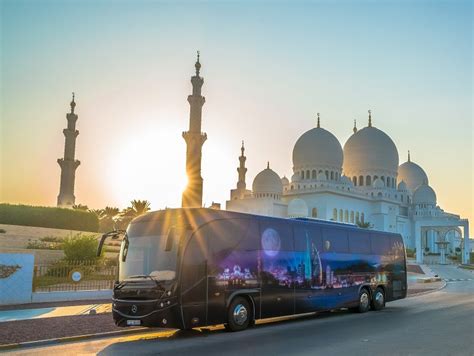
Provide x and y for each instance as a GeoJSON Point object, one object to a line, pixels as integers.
{"type": "Point", "coordinates": [379, 298]}
{"type": "Point", "coordinates": [364, 300]}
{"type": "Point", "coordinates": [240, 314]}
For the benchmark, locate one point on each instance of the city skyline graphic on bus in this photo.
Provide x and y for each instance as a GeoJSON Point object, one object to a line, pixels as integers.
{"type": "Point", "coordinates": [308, 269]}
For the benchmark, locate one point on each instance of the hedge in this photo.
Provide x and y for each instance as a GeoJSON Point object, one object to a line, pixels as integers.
{"type": "Point", "coordinates": [40, 216]}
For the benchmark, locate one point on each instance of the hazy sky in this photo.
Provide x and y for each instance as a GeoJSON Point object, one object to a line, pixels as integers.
{"type": "Point", "coordinates": [268, 67]}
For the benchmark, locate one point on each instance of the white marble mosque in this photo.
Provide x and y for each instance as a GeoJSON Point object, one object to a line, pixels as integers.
{"type": "Point", "coordinates": [360, 183]}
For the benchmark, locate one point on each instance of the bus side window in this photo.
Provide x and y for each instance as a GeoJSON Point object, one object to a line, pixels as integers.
{"type": "Point", "coordinates": [223, 238]}
{"type": "Point", "coordinates": [359, 242]}
{"type": "Point", "coordinates": [380, 244]}
{"type": "Point", "coordinates": [335, 240]}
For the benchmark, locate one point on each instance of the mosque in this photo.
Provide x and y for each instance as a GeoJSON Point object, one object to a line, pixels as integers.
{"type": "Point", "coordinates": [361, 183]}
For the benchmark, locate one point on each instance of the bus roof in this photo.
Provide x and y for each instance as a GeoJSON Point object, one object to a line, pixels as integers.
{"type": "Point", "coordinates": [199, 216]}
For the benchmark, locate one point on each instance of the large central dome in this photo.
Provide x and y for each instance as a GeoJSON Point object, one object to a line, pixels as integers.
{"type": "Point", "coordinates": [317, 148]}
{"type": "Point", "coordinates": [369, 151]}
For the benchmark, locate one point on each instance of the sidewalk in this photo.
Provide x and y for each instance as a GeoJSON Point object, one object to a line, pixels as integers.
{"type": "Point", "coordinates": [53, 311]}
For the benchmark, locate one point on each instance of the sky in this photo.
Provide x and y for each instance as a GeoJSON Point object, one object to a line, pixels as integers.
{"type": "Point", "coordinates": [268, 68]}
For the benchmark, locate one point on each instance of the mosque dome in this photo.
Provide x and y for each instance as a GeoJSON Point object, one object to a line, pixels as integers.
{"type": "Point", "coordinates": [285, 181]}
{"type": "Point", "coordinates": [424, 194]}
{"type": "Point", "coordinates": [317, 148]}
{"type": "Point", "coordinates": [297, 208]}
{"type": "Point", "coordinates": [412, 174]}
{"type": "Point", "coordinates": [378, 184]}
{"type": "Point", "coordinates": [402, 186]}
{"type": "Point", "coordinates": [267, 181]}
{"type": "Point", "coordinates": [368, 151]}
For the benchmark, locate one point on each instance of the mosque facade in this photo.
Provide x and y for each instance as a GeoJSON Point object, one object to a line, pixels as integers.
{"type": "Point", "coordinates": [362, 183]}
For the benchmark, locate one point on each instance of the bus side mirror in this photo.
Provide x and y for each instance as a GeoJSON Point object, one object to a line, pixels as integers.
{"type": "Point", "coordinates": [101, 244]}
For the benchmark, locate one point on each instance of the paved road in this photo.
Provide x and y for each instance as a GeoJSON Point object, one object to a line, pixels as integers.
{"type": "Point", "coordinates": [440, 323]}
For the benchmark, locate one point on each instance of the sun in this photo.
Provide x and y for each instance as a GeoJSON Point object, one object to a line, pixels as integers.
{"type": "Point", "coordinates": [148, 163]}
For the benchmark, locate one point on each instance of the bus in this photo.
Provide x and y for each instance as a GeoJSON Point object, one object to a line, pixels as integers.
{"type": "Point", "coordinates": [193, 267]}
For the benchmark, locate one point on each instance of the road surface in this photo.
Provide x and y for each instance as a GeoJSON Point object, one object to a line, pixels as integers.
{"type": "Point", "coordinates": [439, 323]}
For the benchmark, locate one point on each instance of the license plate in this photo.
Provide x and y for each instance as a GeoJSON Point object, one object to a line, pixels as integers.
{"type": "Point", "coordinates": [133, 322]}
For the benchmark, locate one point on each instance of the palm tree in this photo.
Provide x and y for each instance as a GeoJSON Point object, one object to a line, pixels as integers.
{"type": "Point", "coordinates": [98, 212]}
{"type": "Point", "coordinates": [137, 208]}
{"type": "Point", "coordinates": [111, 212]}
{"type": "Point", "coordinates": [80, 207]}
{"type": "Point", "coordinates": [364, 225]}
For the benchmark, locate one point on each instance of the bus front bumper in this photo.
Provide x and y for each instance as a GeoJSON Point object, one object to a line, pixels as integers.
{"type": "Point", "coordinates": [156, 313]}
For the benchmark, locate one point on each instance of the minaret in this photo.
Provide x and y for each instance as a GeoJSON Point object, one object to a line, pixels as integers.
{"type": "Point", "coordinates": [68, 164]}
{"type": "Point", "coordinates": [242, 170]}
{"type": "Point", "coordinates": [192, 196]}
{"type": "Point", "coordinates": [241, 190]}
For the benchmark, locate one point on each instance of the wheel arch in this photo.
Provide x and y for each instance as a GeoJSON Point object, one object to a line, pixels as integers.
{"type": "Point", "coordinates": [244, 293]}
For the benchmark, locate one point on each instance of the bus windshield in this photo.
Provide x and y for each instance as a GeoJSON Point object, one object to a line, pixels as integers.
{"type": "Point", "coordinates": [147, 256]}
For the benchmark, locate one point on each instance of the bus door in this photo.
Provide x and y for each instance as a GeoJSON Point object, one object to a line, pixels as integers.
{"type": "Point", "coordinates": [309, 278]}
{"type": "Point", "coordinates": [277, 268]}
{"type": "Point", "coordinates": [194, 281]}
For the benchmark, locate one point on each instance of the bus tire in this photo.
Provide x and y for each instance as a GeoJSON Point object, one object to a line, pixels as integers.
{"type": "Point", "coordinates": [239, 314]}
{"type": "Point", "coordinates": [364, 301]}
{"type": "Point", "coordinates": [378, 300]}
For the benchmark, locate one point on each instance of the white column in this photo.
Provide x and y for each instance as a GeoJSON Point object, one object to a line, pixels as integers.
{"type": "Point", "coordinates": [465, 256]}
{"type": "Point", "coordinates": [419, 249]}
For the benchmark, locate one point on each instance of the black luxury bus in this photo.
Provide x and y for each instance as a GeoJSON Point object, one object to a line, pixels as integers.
{"type": "Point", "coordinates": [184, 268]}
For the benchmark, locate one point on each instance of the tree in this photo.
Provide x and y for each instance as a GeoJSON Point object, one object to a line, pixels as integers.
{"type": "Point", "coordinates": [137, 208]}
{"type": "Point", "coordinates": [364, 225]}
{"type": "Point", "coordinates": [98, 212]}
{"type": "Point", "coordinates": [80, 207]}
{"type": "Point", "coordinates": [111, 212]}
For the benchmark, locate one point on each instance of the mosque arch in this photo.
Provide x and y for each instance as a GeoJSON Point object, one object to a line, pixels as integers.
{"type": "Point", "coordinates": [362, 219]}
{"type": "Point", "coordinates": [313, 174]}
{"type": "Point", "coordinates": [352, 216]}
{"type": "Point", "coordinates": [332, 175]}
{"type": "Point", "coordinates": [314, 213]}
{"type": "Point", "coordinates": [361, 180]}
{"type": "Point", "coordinates": [368, 180]}
{"type": "Point", "coordinates": [307, 174]}
{"type": "Point", "coordinates": [354, 180]}
{"type": "Point", "coordinates": [346, 216]}
{"type": "Point", "coordinates": [334, 214]}
{"type": "Point", "coordinates": [341, 217]}
{"type": "Point", "coordinates": [357, 217]}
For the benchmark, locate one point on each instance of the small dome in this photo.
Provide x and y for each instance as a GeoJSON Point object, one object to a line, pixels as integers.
{"type": "Point", "coordinates": [285, 181]}
{"type": "Point", "coordinates": [424, 194]}
{"type": "Point", "coordinates": [267, 181]}
{"type": "Point", "coordinates": [321, 176]}
{"type": "Point", "coordinates": [378, 183]}
{"type": "Point", "coordinates": [369, 150]}
{"type": "Point", "coordinates": [297, 208]}
{"type": "Point", "coordinates": [296, 177]}
{"type": "Point", "coordinates": [346, 180]}
{"type": "Point", "coordinates": [317, 148]}
{"type": "Point", "coordinates": [402, 186]}
{"type": "Point", "coordinates": [412, 174]}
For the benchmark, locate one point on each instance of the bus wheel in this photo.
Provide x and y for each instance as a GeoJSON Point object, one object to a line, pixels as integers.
{"type": "Point", "coordinates": [378, 302]}
{"type": "Point", "coordinates": [364, 301]}
{"type": "Point", "coordinates": [238, 314]}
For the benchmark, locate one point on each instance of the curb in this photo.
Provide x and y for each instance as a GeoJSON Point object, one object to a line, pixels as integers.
{"type": "Point", "coordinates": [66, 339]}
{"type": "Point", "coordinates": [428, 291]}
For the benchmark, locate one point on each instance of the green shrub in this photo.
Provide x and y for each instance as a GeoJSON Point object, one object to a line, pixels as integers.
{"type": "Point", "coordinates": [410, 252]}
{"type": "Point", "coordinates": [40, 216]}
{"type": "Point", "coordinates": [80, 248]}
